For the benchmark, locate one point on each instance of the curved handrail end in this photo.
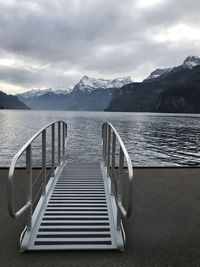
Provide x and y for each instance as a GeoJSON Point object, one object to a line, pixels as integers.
{"type": "Point", "coordinates": [11, 172]}
{"type": "Point", "coordinates": [125, 212]}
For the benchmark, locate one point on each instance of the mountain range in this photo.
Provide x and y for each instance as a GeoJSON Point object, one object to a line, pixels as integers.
{"type": "Point", "coordinates": [173, 90]}
{"type": "Point", "coordinates": [87, 94]}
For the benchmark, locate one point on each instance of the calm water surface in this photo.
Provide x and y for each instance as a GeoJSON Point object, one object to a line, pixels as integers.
{"type": "Point", "coordinates": [151, 139]}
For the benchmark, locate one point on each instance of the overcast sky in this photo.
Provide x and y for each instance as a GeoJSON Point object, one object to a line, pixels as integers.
{"type": "Point", "coordinates": [44, 43]}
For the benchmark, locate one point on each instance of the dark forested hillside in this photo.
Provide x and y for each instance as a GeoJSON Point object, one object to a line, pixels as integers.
{"type": "Point", "coordinates": [10, 102]}
{"type": "Point", "coordinates": [176, 91]}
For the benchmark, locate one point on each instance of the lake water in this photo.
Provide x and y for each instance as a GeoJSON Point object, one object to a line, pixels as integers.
{"type": "Point", "coordinates": [151, 139]}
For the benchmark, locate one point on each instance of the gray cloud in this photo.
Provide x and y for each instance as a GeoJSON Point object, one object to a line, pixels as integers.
{"type": "Point", "coordinates": [107, 38]}
{"type": "Point", "coordinates": [35, 77]}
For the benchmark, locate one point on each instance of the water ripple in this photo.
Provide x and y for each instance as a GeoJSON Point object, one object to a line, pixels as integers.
{"type": "Point", "coordinates": [151, 139]}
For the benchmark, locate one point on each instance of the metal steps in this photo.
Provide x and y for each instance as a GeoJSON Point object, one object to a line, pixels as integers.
{"type": "Point", "coordinates": [77, 213]}
{"type": "Point", "coordinates": [77, 205]}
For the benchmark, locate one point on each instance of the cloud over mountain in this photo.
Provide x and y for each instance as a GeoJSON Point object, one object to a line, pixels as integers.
{"type": "Point", "coordinates": [43, 43]}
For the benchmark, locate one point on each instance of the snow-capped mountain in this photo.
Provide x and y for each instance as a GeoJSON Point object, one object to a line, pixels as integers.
{"type": "Point", "coordinates": [87, 94]}
{"type": "Point", "coordinates": [119, 82]}
{"type": "Point", "coordinates": [61, 89]}
{"type": "Point", "coordinates": [30, 93]}
{"type": "Point", "coordinates": [87, 84]}
{"type": "Point", "coordinates": [191, 62]}
{"type": "Point", "coordinates": [157, 73]}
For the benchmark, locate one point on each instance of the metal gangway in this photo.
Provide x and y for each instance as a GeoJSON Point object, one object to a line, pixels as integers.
{"type": "Point", "coordinates": [78, 206]}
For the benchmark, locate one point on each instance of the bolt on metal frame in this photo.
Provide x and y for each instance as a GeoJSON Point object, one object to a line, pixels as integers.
{"type": "Point", "coordinates": [111, 138]}
{"type": "Point", "coordinates": [27, 149]}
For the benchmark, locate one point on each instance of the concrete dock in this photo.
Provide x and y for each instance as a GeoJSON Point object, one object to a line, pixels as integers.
{"type": "Point", "coordinates": [164, 229]}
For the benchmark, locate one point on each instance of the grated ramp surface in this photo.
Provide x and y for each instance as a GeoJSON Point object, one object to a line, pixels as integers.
{"type": "Point", "coordinates": [77, 214]}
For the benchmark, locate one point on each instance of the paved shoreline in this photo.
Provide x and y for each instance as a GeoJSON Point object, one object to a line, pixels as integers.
{"type": "Point", "coordinates": [164, 229]}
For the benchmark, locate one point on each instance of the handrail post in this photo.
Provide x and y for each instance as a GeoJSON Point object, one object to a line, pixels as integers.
{"type": "Point", "coordinates": [105, 141]}
{"type": "Point", "coordinates": [113, 160]}
{"type": "Point", "coordinates": [44, 161]}
{"type": "Point", "coordinates": [108, 150]}
{"type": "Point", "coordinates": [119, 185]}
{"type": "Point", "coordinates": [63, 140]}
{"type": "Point", "coordinates": [29, 187]}
{"type": "Point", "coordinates": [53, 149]}
{"type": "Point", "coordinates": [59, 144]}
{"type": "Point", "coordinates": [65, 133]}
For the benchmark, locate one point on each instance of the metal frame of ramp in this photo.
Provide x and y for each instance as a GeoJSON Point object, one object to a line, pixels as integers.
{"type": "Point", "coordinates": [81, 205]}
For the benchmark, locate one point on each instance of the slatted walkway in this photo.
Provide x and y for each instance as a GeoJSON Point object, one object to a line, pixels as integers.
{"type": "Point", "coordinates": [77, 213]}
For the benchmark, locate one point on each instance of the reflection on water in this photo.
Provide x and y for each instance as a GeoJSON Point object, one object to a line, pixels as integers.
{"type": "Point", "coordinates": [151, 139]}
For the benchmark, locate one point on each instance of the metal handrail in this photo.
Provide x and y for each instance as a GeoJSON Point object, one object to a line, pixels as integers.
{"type": "Point", "coordinates": [28, 149]}
{"type": "Point", "coordinates": [108, 133]}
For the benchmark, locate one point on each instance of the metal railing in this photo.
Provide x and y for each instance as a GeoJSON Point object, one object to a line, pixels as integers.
{"type": "Point", "coordinates": [61, 128]}
{"type": "Point", "coordinates": [115, 169]}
